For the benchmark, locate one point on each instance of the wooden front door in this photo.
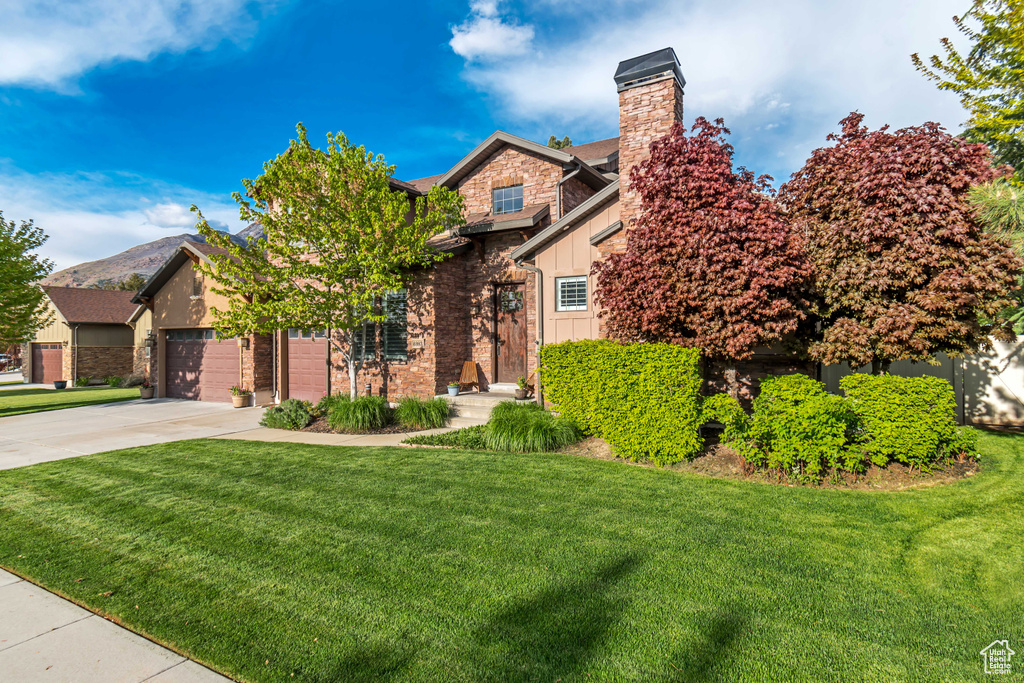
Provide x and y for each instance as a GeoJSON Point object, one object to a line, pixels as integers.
{"type": "Point", "coordinates": [510, 333]}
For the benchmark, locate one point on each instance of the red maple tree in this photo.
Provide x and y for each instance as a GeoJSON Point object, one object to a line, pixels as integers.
{"type": "Point", "coordinates": [711, 261]}
{"type": "Point", "coordinates": [903, 268]}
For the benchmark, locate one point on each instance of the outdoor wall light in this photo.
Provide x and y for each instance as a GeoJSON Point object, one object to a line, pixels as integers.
{"type": "Point", "coordinates": [243, 342]}
{"type": "Point", "coordinates": [474, 310]}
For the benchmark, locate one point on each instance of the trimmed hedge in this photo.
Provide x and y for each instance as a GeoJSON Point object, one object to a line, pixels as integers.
{"type": "Point", "coordinates": [911, 420]}
{"type": "Point", "coordinates": [643, 399]}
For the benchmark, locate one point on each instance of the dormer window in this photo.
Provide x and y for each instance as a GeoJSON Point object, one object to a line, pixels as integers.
{"type": "Point", "coordinates": [508, 199]}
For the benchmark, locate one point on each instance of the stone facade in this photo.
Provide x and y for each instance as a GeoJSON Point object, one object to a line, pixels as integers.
{"type": "Point", "coordinates": [141, 364]}
{"type": "Point", "coordinates": [257, 364]}
{"type": "Point", "coordinates": [98, 362]}
{"type": "Point", "coordinates": [506, 167]}
{"type": "Point", "coordinates": [574, 193]}
{"type": "Point", "coordinates": [646, 113]}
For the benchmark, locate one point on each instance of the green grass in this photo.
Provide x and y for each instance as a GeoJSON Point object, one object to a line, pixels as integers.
{"type": "Point", "coordinates": [267, 560]}
{"type": "Point", "coordinates": [7, 384]}
{"type": "Point", "coordinates": [19, 401]}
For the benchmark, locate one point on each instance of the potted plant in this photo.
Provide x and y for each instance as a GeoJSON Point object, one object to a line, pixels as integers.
{"type": "Point", "coordinates": [146, 390]}
{"type": "Point", "coordinates": [60, 384]}
{"type": "Point", "coordinates": [453, 388]}
{"type": "Point", "coordinates": [521, 390]}
{"type": "Point", "coordinates": [240, 397]}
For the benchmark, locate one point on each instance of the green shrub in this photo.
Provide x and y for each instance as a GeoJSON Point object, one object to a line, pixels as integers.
{"type": "Point", "coordinates": [133, 381]}
{"type": "Point", "coordinates": [528, 428]}
{"type": "Point", "coordinates": [727, 410]}
{"type": "Point", "coordinates": [643, 399]}
{"type": "Point", "coordinates": [291, 414]}
{"type": "Point", "coordinates": [798, 427]}
{"type": "Point", "coordinates": [911, 420]}
{"type": "Point", "coordinates": [82, 381]}
{"type": "Point", "coordinates": [468, 438]}
{"type": "Point", "coordinates": [366, 413]}
{"type": "Point", "coordinates": [113, 381]}
{"type": "Point", "coordinates": [326, 404]}
{"type": "Point", "coordinates": [417, 414]}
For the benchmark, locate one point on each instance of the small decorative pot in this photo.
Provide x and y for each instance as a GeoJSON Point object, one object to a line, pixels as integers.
{"type": "Point", "coordinates": [453, 391]}
{"type": "Point", "coordinates": [241, 401]}
{"type": "Point", "coordinates": [60, 384]}
{"type": "Point", "coordinates": [520, 394]}
{"type": "Point", "coordinates": [146, 393]}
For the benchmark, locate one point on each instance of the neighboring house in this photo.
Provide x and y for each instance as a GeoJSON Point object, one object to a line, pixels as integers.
{"type": "Point", "coordinates": [518, 272]}
{"type": "Point", "coordinates": [87, 336]}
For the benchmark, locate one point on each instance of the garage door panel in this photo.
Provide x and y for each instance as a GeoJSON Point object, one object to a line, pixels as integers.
{"type": "Point", "coordinates": [47, 363]}
{"type": "Point", "coordinates": [201, 369]}
{"type": "Point", "coordinates": [307, 368]}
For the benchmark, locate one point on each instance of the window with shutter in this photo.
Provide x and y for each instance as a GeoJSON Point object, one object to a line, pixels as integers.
{"type": "Point", "coordinates": [395, 332]}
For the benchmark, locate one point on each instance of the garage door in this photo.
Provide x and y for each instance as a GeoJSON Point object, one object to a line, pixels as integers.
{"type": "Point", "coordinates": [200, 367]}
{"type": "Point", "coordinates": [307, 365]}
{"type": "Point", "coordinates": [47, 363]}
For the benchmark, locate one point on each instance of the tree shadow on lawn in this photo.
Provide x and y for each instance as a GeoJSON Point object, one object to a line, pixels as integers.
{"type": "Point", "coordinates": [554, 633]}
{"type": "Point", "coordinates": [377, 662]}
{"type": "Point", "coordinates": [696, 663]}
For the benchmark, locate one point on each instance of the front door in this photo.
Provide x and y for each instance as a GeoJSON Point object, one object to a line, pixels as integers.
{"type": "Point", "coordinates": [510, 333]}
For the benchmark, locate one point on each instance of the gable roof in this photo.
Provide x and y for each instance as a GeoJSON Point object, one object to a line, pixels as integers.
{"type": "Point", "coordinates": [498, 139]}
{"type": "Point", "coordinates": [567, 222]}
{"type": "Point", "coordinates": [91, 306]}
{"type": "Point", "coordinates": [188, 251]}
{"type": "Point", "coordinates": [597, 152]}
{"type": "Point", "coordinates": [527, 218]}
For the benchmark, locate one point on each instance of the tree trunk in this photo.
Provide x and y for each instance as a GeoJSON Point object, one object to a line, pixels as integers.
{"type": "Point", "coordinates": [732, 385]}
{"type": "Point", "coordinates": [352, 394]}
{"type": "Point", "coordinates": [880, 367]}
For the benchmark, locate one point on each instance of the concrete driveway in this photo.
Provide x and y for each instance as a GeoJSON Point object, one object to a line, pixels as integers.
{"type": "Point", "coordinates": [57, 434]}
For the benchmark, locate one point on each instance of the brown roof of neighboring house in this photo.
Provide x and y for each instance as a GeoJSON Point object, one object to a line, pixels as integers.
{"type": "Point", "coordinates": [207, 249]}
{"type": "Point", "coordinates": [594, 150]}
{"type": "Point", "coordinates": [424, 184]}
{"type": "Point", "coordinates": [92, 306]}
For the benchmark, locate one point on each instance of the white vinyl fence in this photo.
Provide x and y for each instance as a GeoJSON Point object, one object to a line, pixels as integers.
{"type": "Point", "coordinates": [989, 386]}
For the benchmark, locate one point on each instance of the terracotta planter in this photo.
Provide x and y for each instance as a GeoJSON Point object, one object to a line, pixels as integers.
{"type": "Point", "coordinates": [520, 394]}
{"type": "Point", "coordinates": [146, 393]}
{"type": "Point", "coordinates": [241, 401]}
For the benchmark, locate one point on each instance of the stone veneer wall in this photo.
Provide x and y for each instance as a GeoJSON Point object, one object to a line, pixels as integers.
{"type": "Point", "coordinates": [98, 362]}
{"type": "Point", "coordinates": [141, 365]}
{"type": "Point", "coordinates": [646, 113]}
{"type": "Point", "coordinates": [574, 193]}
{"type": "Point", "coordinates": [510, 166]}
{"type": "Point", "coordinates": [257, 363]}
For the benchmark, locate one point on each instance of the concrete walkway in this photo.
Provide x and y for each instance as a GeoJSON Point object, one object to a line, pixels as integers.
{"type": "Point", "coordinates": [44, 637]}
{"type": "Point", "coordinates": [58, 434]}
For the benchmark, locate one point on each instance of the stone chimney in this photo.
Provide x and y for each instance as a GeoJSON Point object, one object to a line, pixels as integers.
{"type": "Point", "coordinates": [650, 101]}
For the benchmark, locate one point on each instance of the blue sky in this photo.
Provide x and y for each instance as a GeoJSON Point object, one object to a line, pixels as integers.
{"type": "Point", "coordinates": [116, 115]}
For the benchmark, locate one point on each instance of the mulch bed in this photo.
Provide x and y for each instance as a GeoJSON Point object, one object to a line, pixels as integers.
{"type": "Point", "coordinates": [322, 426]}
{"type": "Point", "coordinates": [722, 462]}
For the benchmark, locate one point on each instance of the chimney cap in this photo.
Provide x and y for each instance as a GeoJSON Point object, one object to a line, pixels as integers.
{"type": "Point", "coordinates": [645, 67]}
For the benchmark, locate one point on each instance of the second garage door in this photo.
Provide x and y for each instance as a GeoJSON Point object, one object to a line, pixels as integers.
{"type": "Point", "coordinates": [200, 367]}
{"type": "Point", "coordinates": [47, 363]}
{"type": "Point", "coordinates": [307, 365]}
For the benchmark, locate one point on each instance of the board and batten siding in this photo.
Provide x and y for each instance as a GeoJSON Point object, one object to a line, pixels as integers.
{"type": "Point", "coordinates": [57, 330]}
{"type": "Point", "coordinates": [142, 326]}
{"type": "Point", "coordinates": [572, 254]}
{"type": "Point", "coordinates": [104, 335]}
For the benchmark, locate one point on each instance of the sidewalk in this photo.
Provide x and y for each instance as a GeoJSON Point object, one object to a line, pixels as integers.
{"type": "Point", "coordinates": [44, 637]}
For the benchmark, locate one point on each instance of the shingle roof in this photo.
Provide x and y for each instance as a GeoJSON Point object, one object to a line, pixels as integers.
{"type": "Point", "coordinates": [95, 306]}
{"type": "Point", "coordinates": [528, 217]}
{"type": "Point", "coordinates": [566, 222]}
{"type": "Point", "coordinates": [424, 184]}
{"type": "Point", "coordinates": [207, 249]}
{"type": "Point", "coordinates": [599, 149]}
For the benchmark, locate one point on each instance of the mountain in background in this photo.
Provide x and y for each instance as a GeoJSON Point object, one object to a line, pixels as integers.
{"type": "Point", "coordinates": [144, 259]}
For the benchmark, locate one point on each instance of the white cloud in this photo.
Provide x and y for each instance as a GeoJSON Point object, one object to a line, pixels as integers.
{"type": "Point", "coordinates": [49, 43]}
{"type": "Point", "coordinates": [803, 64]}
{"type": "Point", "coordinates": [486, 35]}
{"type": "Point", "coordinates": [94, 215]}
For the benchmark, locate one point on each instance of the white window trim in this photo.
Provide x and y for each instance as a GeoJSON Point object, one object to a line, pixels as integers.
{"type": "Point", "coordinates": [560, 307]}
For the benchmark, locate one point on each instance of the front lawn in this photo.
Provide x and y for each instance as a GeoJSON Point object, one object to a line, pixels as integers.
{"type": "Point", "coordinates": [266, 560]}
{"type": "Point", "coordinates": [19, 401]}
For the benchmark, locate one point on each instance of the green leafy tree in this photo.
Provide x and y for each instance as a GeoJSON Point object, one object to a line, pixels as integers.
{"type": "Point", "coordinates": [337, 240]}
{"type": "Point", "coordinates": [1000, 207]}
{"type": "Point", "coordinates": [23, 307]}
{"type": "Point", "coordinates": [989, 78]}
{"type": "Point", "coordinates": [555, 143]}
